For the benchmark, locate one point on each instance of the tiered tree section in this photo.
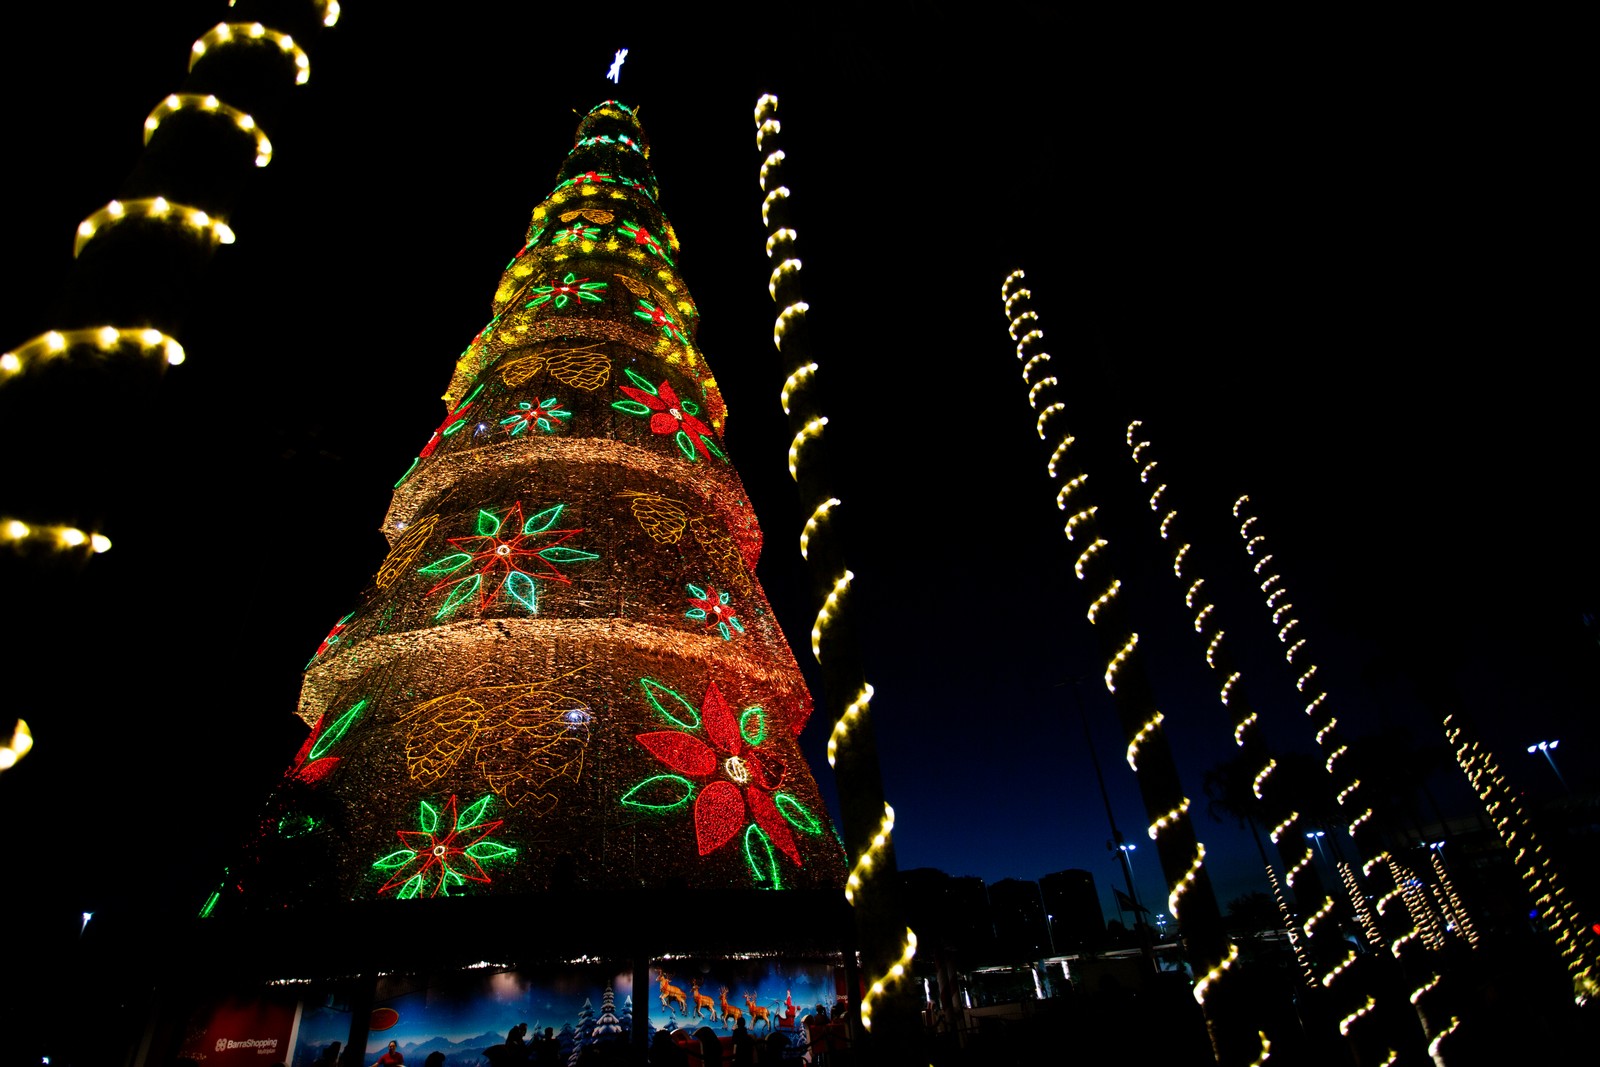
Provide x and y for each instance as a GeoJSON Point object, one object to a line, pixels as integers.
{"type": "Point", "coordinates": [565, 672]}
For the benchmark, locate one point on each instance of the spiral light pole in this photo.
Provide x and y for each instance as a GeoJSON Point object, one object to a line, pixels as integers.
{"type": "Point", "coordinates": [1407, 916]}
{"type": "Point", "coordinates": [1325, 958]}
{"type": "Point", "coordinates": [887, 944]}
{"type": "Point", "coordinates": [1574, 939]}
{"type": "Point", "coordinates": [1191, 899]}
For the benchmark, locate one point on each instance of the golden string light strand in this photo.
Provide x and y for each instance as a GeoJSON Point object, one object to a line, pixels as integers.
{"type": "Point", "coordinates": [851, 712]}
{"type": "Point", "coordinates": [210, 105]}
{"type": "Point", "coordinates": [158, 208]}
{"type": "Point", "coordinates": [20, 744]}
{"type": "Point", "coordinates": [896, 972]}
{"type": "Point", "coordinates": [812, 523]}
{"type": "Point", "coordinates": [228, 33]}
{"type": "Point", "coordinates": [106, 339]}
{"type": "Point", "coordinates": [880, 842]}
{"type": "Point", "coordinates": [780, 240]}
{"type": "Point", "coordinates": [793, 382]}
{"type": "Point", "coordinates": [1348, 785]}
{"type": "Point", "coordinates": [16, 533]}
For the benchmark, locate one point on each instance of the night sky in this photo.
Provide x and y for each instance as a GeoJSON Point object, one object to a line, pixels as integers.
{"type": "Point", "coordinates": [1335, 267]}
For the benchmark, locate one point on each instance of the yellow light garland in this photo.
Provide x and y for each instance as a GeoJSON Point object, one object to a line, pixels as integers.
{"type": "Point", "coordinates": [1087, 555]}
{"type": "Point", "coordinates": [1103, 599]}
{"type": "Point", "coordinates": [825, 613]}
{"type": "Point", "coordinates": [212, 106]}
{"type": "Point", "coordinates": [1068, 489]}
{"type": "Point", "coordinates": [784, 235]}
{"type": "Point", "coordinates": [771, 161]}
{"type": "Point", "coordinates": [880, 841]}
{"type": "Point", "coordinates": [780, 193]}
{"type": "Point", "coordinates": [851, 712]}
{"type": "Point", "coordinates": [788, 266]}
{"type": "Point", "coordinates": [1011, 327]}
{"type": "Point", "coordinates": [55, 343]}
{"type": "Point", "coordinates": [1055, 457]}
{"type": "Point", "coordinates": [1344, 1024]}
{"type": "Point", "coordinates": [781, 326]}
{"type": "Point", "coordinates": [247, 32]}
{"type": "Point", "coordinates": [1169, 818]}
{"type": "Point", "coordinates": [1138, 738]}
{"type": "Point", "coordinates": [16, 532]}
{"type": "Point", "coordinates": [1282, 826]}
{"type": "Point", "coordinates": [811, 429]}
{"type": "Point", "coordinates": [1203, 986]}
{"type": "Point", "coordinates": [791, 383]}
{"type": "Point", "coordinates": [1116, 661]}
{"type": "Point", "coordinates": [1046, 413]}
{"type": "Point", "coordinates": [896, 972]}
{"type": "Point", "coordinates": [811, 524]}
{"type": "Point", "coordinates": [19, 745]}
{"type": "Point", "coordinates": [1033, 393]}
{"type": "Point", "coordinates": [1033, 361]}
{"type": "Point", "coordinates": [1261, 777]}
{"type": "Point", "coordinates": [1183, 884]}
{"type": "Point", "coordinates": [155, 207]}
{"type": "Point", "coordinates": [1083, 516]}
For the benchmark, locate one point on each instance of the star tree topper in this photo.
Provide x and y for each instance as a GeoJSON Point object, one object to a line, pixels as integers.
{"type": "Point", "coordinates": [615, 73]}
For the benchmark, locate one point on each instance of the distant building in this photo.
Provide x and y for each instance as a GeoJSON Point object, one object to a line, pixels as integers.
{"type": "Point", "coordinates": [949, 912]}
{"type": "Point", "coordinates": [1072, 907]}
{"type": "Point", "coordinates": [1020, 927]}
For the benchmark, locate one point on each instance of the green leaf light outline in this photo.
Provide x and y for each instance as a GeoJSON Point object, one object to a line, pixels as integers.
{"type": "Point", "coordinates": [448, 565]}
{"type": "Point", "coordinates": [489, 850]}
{"type": "Point", "coordinates": [761, 720]}
{"type": "Point", "coordinates": [540, 521]}
{"type": "Point", "coordinates": [631, 407]}
{"type": "Point", "coordinates": [522, 588]}
{"type": "Point", "coordinates": [686, 446]}
{"type": "Point", "coordinates": [460, 593]}
{"type": "Point", "coordinates": [488, 523]}
{"type": "Point", "coordinates": [474, 814]}
{"type": "Point", "coordinates": [395, 860]}
{"type": "Point", "coordinates": [332, 734]}
{"type": "Point", "coordinates": [796, 813]}
{"type": "Point", "coordinates": [429, 818]}
{"type": "Point", "coordinates": [642, 382]}
{"type": "Point", "coordinates": [563, 554]}
{"type": "Point", "coordinates": [654, 781]}
{"type": "Point", "coordinates": [755, 865]}
{"type": "Point", "coordinates": [651, 686]}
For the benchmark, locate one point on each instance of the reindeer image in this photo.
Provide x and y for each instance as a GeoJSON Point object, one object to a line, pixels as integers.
{"type": "Point", "coordinates": [728, 1010]}
{"type": "Point", "coordinates": [758, 1014]}
{"type": "Point", "coordinates": [702, 1001]}
{"type": "Point", "coordinates": [670, 992]}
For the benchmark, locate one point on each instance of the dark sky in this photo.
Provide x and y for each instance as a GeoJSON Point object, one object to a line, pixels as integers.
{"type": "Point", "coordinates": [1334, 266]}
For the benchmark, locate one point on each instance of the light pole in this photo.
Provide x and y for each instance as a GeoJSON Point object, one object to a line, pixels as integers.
{"type": "Point", "coordinates": [1549, 748]}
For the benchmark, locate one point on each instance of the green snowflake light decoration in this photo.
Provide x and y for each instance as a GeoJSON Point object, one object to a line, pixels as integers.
{"type": "Point", "coordinates": [714, 609]}
{"type": "Point", "coordinates": [577, 233]}
{"type": "Point", "coordinates": [448, 852]}
{"type": "Point", "coordinates": [537, 415]}
{"type": "Point", "coordinates": [641, 236]}
{"type": "Point", "coordinates": [657, 317]}
{"type": "Point", "coordinates": [569, 287]}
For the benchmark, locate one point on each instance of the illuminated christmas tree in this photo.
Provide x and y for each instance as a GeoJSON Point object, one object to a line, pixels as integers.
{"type": "Point", "coordinates": [564, 673]}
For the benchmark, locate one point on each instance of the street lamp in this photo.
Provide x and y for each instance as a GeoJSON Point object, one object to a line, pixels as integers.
{"type": "Point", "coordinates": [1548, 748]}
{"type": "Point", "coordinates": [1316, 836]}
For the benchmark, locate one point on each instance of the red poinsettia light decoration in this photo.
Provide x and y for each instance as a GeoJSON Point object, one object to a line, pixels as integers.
{"type": "Point", "coordinates": [738, 777]}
